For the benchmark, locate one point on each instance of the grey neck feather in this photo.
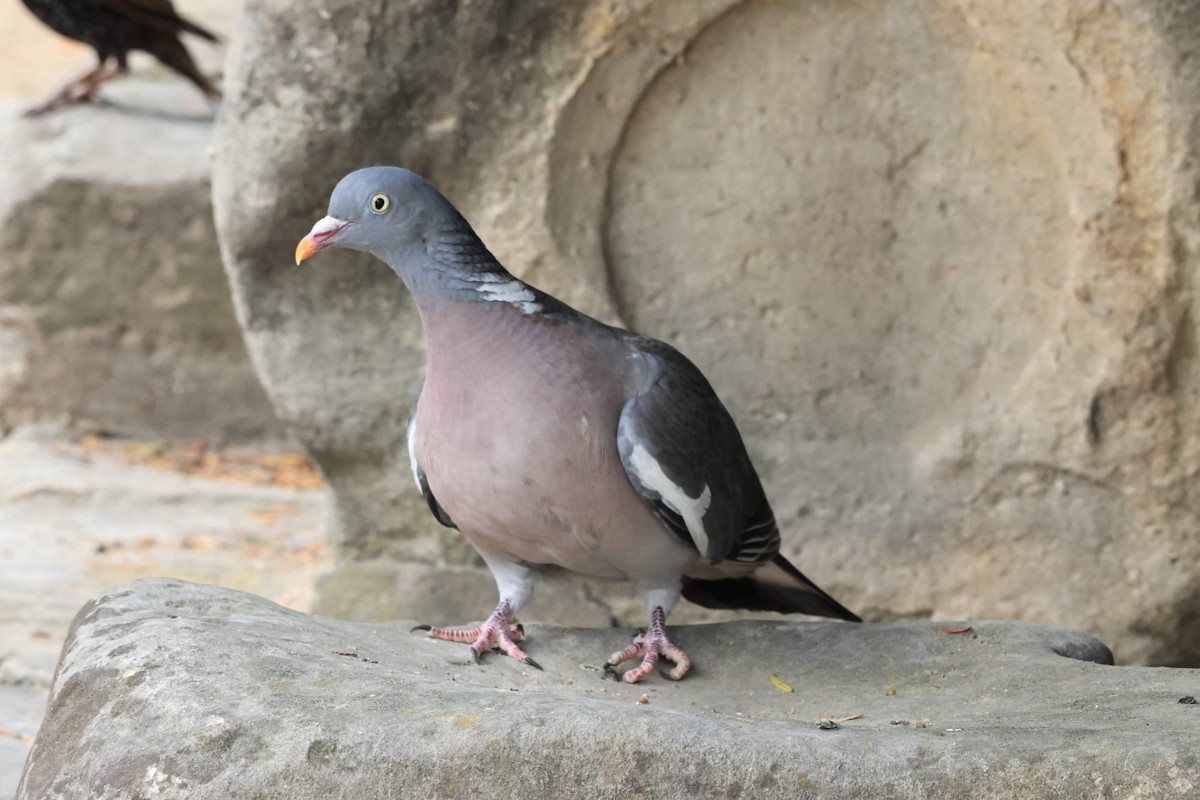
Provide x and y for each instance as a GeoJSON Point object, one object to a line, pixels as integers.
{"type": "Point", "coordinates": [453, 264]}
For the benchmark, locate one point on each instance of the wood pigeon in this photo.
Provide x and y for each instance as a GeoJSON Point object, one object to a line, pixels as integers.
{"type": "Point", "coordinates": [552, 440]}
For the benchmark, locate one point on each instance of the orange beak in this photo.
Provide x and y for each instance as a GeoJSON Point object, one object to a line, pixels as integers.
{"type": "Point", "coordinates": [319, 237]}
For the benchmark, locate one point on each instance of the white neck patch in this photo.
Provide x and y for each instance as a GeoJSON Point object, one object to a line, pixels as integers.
{"type": "Point", "coordinates": [507, 290]}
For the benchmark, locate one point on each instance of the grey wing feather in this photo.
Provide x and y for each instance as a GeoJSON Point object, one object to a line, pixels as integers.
{"type": "Point", "coordinates": [684, 455]}
{"type": "Point", "coordinates": [439, 513]}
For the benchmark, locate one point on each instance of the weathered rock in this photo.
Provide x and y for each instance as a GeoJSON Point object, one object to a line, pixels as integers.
{"type": "Point", "coordinates": [114, 310]}
{"type": "Point", "coordinates": [937, 257]}
{"type": "Point", "coordinates": [170, 689]}
{"type": "Point", "coordinates": [74, 522]}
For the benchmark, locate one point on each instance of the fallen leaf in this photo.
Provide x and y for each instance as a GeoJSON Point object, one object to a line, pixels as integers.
{"type": "Point", "coordinates": [201, 544]}
{"type": "Point", "coordinates": [780, 685]}
{"type": "Point", "coordinates": [288, 469]}
{"type": "Point", "coordinates": [92, 443]}
{"type": "Point", "coordinates": [891, 692]}
{"type": "Point", "coordinates": [20, 737]}
{"type": "Point", "coordinates": [268, 516]}
{"type": "Point", "coordinates": [964, 629]}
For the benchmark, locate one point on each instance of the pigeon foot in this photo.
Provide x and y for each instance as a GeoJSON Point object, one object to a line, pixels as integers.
{"type": "Point", "coordinates": [651, 644]}
{"type": "Point", "coordinates": [499, 631]}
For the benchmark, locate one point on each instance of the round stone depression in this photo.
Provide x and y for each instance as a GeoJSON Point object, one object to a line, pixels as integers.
{"type": "Point", "coordinates": [850, 216]}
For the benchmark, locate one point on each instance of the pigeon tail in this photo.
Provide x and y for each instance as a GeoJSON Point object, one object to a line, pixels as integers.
{"type": "Point", "coordinates": [776, 586]}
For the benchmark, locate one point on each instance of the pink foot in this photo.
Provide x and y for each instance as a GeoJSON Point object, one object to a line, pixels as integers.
{"type": "Point", "coordinates": [651, 644]}
{"type": "Point", "coordinates": [496, 631]}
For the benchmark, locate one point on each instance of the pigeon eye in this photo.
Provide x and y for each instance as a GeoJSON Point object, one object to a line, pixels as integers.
{"type": "Point", "coordinates": [380, 203]}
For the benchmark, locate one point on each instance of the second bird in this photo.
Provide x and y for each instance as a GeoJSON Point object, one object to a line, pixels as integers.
{"type": "Point", "coordinates": [115, 28]}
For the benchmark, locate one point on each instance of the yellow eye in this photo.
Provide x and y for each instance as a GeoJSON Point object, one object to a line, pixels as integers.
{"type": "Point", "coordinates": [380, 202]}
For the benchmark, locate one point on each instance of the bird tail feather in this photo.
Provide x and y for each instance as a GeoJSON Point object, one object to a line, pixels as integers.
{"type": "Point", "coordinates": [776, 586]}
{"type": "Point", "coordinates": [158, 15]}
{"type": "Point", "coordinates": [173, 54]}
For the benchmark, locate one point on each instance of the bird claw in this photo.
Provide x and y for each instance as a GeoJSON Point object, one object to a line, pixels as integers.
{"type": "Point", "coordinates": [651, 644]}
{"type": "Point", "coordinates": [421, 627]}
{"type": "Point", "coordinates": [499, 631]}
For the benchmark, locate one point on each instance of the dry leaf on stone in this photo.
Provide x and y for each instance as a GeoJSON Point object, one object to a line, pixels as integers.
{"type": "Point", "coordinates": [290, 470]}
{"type": "Point", "coordinates": [20, 737]}
{"type": "Point", "coordinates": [963, 629]}
{"type": "Point", "coordinates": [268, 516]}
{"type": "Point", "coordinates": [780, 685]}
{"type": "Point", "coordinates": [201, 543]}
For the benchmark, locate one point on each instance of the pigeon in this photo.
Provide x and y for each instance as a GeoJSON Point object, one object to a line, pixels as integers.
{"type": "Point", "coordinates": [553, 441]}
{"type": "Point", "coordinates": [113, 28]}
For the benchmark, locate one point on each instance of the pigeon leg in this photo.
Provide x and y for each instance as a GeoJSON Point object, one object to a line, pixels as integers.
{"type": "Point", "coordinates": [651, 644]}
{"type": "Point", "coordinates": [498, 630]}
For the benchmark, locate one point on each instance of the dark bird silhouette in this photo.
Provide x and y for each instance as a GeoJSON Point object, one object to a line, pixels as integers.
{"type": "Point", "coordinates": [114, 28]}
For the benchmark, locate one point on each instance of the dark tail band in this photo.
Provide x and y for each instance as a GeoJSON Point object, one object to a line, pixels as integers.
{"type": "Point", "coordinates": [777, 586]}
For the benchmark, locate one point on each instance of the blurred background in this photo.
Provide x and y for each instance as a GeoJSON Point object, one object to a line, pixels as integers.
{"type": "Point", "coordinates": [937, 256]}
{"type": "Point", "coordinates": [136, 440]}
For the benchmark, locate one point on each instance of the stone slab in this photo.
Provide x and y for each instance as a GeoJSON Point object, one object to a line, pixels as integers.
{"type": "Point", "coordinates": [171, 689]}
{"type": "Point", "coordinates": [75, 522]}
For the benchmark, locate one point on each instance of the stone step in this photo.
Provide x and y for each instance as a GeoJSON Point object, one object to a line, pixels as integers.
{"type": "Point", "coordinates": [171, 689]}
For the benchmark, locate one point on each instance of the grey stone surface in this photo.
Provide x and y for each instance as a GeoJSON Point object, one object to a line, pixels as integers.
{"type": "Point", "coordinates": [938, 258]}
{"type": "Point", "coordinates": [169, 689]}
{"type": "Point", "coordinates": [114, 311]}
{"type": "Point", "coordinates": [75, 522]}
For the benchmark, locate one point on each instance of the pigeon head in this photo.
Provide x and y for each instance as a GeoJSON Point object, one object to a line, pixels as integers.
{"type": "Point", "coordinates": [388, 212]}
